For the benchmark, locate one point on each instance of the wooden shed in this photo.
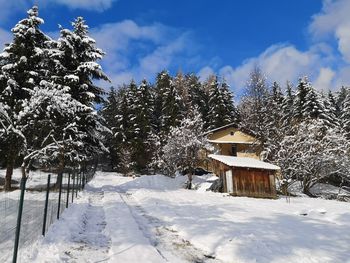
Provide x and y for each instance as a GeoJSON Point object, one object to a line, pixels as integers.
{"type": "Point", "coordinates": [244, 176]}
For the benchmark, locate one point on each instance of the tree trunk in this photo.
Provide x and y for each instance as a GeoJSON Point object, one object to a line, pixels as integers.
{"type": "Point", "coordinates": [306, 189]}
{"type": "Point", "coordinates": [59, 173]}
{"type": "Point", "coordinates": [9, 172]}
{"type": "Point", "coordinates": [190, 177]}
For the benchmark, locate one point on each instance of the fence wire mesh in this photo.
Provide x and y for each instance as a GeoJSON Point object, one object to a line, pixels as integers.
{"type": "Point", "coordinates": [39, 191]}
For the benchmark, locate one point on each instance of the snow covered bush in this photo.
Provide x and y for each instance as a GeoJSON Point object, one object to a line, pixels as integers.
{"type": "Point", "coordinates": [314, 153]}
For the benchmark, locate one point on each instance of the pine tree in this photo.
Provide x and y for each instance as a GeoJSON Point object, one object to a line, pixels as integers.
{"type": "Point", "coordinates": [163, 82]}
{"type": "Point", "coordinates": [182, 89]}
{"type": "Point", "coordinates": [274, 122]}
{"type": "Point", "coordinates": [140, 112]}
{"type": "Point", "coordinates": [221, 108]}
{"type": "Point", "coordinates": [331, 109]}
{"type": "Point", "coordinates": [198, 97]}
{"type": "Point", "coordinates": [79, 55]}
{"type": "Point", "coordinates": [340, 98]}
{"type": "Point", "coordinates": [345, 117]}
{"type": "Point", "coordinates": [303, 89]}
{"type": "Point", "coordinates": [109, 113]}
{"type": "Point", "coordinates": [167, 112]}
{"type": "Point", "coordinates": [313, 107]}
{"type": "Point", "coordinates": [78, 69]}
{"type": "Point", "coordinates": [288, 110]}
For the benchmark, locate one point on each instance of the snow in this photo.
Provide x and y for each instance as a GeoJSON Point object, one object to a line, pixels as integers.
{"type": "Point", "coordinates": [235, 142]}
{"type": "Point", "coordinates": [243, 162]}
{"type": "Point", "coordinates": [153, 219]}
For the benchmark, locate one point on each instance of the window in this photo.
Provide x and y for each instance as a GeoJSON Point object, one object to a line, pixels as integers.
{"type": "Point", "coordinates": [232, 133]}
{"type": "Point", "coordinates": [233, 150]}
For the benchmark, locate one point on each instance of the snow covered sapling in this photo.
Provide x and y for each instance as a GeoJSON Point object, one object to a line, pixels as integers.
{"type": "Point", "coordinates": [183, 146]}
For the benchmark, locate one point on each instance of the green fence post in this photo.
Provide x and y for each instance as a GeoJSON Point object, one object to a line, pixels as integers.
{"type": "Point", "coordinates": [67, 201]}
{"type": "Point", "coordinates": [80, 181]}
{"type": "Point", "coordinates": [59, 196]}
{"type": "Point", "coordinates": [46, 203]}
{"type": "Point", "coordinates": [19, 218]}
{"type": "Point", "coordinates": [83, 180]}
{"type": "Point", "coordinates": [76, 185]}
{"type": "Point", "coordinates": [73, 179]}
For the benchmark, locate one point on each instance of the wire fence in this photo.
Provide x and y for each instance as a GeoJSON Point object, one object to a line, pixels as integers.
{"type": "Point", "coordinates": [44, 198]}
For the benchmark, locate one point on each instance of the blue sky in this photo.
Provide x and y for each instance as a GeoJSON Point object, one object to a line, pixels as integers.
{"type": "Point", "coordinates": [287, 39]}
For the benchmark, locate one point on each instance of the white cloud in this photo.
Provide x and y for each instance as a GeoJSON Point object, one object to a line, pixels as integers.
{"type": "Point", "coordinates": [334, 20]}
{"type": "Point", "coordinates": [279, 62]}
{"type": "Point", "coordinates": [5, 37]}
{"type": "Point", "coordinates": [325, 79]}
{"type": "Point", "coordinates": [205, 72]}
{"type": "Point", "coordinates": [325, 66]}
{"type": "Point", "coordinates": [11, 8]}
{"type": "Point", "coordinates": [140, 51]}
{"type": "Point", "coordinates": [93, 5]}
{"type": "Point", "coordinates": [343, 77]}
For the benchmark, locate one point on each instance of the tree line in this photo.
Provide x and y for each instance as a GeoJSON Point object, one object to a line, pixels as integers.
{"type": "Point", "coordinates": [142, 115]}
{"type": "Point", "coordinates": [304, 131]}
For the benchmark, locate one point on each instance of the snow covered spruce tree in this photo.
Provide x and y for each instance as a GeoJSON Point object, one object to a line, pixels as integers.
{"type": "Point", "coordinates": [198, 97]}
{"type": "Point", "coordinates": [345, 116]}
{"type": "Point", "coordinates": [274, 122]}
{"type": "Point", "coordinates": [221, 108]}
{"type": "Point", "coordinates": [182, 151]}
{"type": "Point", "coordinates": [22, 68]}
{"type": "Point", "coordinates": [78, 69]}
{"type": "Point", "coordinates": [140, 107]}
{"type": "Point", "coordinates": [57, 138]}
{"type": "Point", "coordinates": [287, 109]}
{"type": "Point", "coordinates": [109, 113]}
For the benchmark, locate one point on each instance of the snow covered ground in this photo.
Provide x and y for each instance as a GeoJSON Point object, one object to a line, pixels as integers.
{"type": "Point", "coordinates": [152, 219]}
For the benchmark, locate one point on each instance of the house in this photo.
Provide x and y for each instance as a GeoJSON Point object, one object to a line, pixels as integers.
{"type": "Point", "coordinates": [237, 162]}
{"type": "Point", "coordinates": [230, 140]}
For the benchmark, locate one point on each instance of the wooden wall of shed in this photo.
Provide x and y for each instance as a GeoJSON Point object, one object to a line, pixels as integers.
{"type": "Point", "coordinates": [247, 181]}
{"type": "Point", "coordinates": [219, 170]}
{"type": "Point", "coordinates": [254, 183]}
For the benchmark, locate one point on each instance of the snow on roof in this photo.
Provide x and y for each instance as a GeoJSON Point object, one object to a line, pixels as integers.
{"type": "Point", "coordinates": [222, 127]}
{"type": "Point", "coordinates": [233, 142]}
{"type": "Point", "coordinates": [243, 162]}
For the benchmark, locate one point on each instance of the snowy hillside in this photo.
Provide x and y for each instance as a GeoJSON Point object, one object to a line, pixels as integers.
{"type": "Point", "coordinates": [152, 219]}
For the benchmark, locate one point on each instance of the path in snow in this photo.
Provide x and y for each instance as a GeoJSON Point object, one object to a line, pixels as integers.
{"type": "Point", "coordinates": [108, 225]}
{"type": "Point", "coordinates": [90, 243]}
{"type": "Point", "coordinates": [169, 244]}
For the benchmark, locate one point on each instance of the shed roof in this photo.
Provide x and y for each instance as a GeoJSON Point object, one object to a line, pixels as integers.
{"type": "Point", "coordinates": [243, 162]}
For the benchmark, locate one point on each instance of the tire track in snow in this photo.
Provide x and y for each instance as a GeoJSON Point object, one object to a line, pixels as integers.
{"type": "Point", "coordinates": [90, 244]}
{"type": "Point", "coordinates": [169, 244]}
